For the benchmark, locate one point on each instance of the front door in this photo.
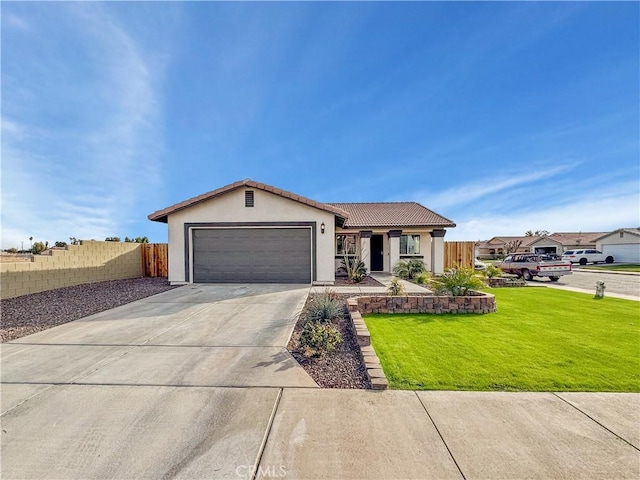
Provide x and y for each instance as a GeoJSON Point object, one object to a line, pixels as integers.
{"type": "Point", "coordinates": [377, 253]}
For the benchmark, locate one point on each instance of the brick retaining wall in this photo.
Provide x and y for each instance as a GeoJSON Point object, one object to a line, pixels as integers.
{"type": "Point", "coordinates": [89, 262]}
{"type": "Point", "coordinates": [477, 303]}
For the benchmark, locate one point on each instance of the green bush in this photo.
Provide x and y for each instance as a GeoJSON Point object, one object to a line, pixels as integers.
{"type": "Point", "coordinates": [60, 244]}
{"type": "Point", "coordinates": [38, 248]}
{"type": "Point", "coordinates": [355, 269]}
{"type": "Point", "coordinates": [409, 269]}
{"type": "Point", "coordinates": [423, 278]}
{"type": "Point", "coordinates": [492, 271]}
{"type": "Point", "coordinates": [457, 282]}
{"type": "Point", "coordinates": [324, 308]}
{"type": "Point", "coordinates": [12, 250]}
{"type": "Point", "coordinates": [396, 288]}
{"type": "Point", "coordinates": [319, 338]}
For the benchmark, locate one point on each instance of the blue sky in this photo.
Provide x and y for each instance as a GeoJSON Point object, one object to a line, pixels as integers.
{"type": "Point", "coordinates": [503, 117]}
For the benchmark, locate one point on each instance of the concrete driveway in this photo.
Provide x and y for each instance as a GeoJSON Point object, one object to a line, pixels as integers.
{"type": "Point", "coordinates": [127, 393]}
{"type": "Point", "coordinates": [196, 383]}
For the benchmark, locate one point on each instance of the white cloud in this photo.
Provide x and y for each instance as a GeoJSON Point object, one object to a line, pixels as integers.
{"type": "Point", "coordinates": [469, 193]}
{"type": "Point", "coordinates": [81, 173]}
{"type": "Point", "coordinates": [594, 212]}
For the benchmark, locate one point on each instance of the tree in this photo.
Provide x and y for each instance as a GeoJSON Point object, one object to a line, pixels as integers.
{"type": "Point", "coordinates": [142, 239]}
{"type": "Point", "coordinates": [60, 244]}
{"type": "Point", "coordinates": [537, 233]}
{"type": "Point", "coordinates": [512, 246]}
{"type": "Point", "coordinates": [112, 239]}
{"type": "Point", "coordinates": [74, 241]}
{"type": "Point", "coordinates": [38, 248]}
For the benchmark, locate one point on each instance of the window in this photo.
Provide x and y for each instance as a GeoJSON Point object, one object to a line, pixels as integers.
{"type": "Point", "coordinates": [345, 244]}
{"type": "Point", "coordinates": [621, 234]}
{"type": "Point", "coordinates": [248, 198]}
{"type": "Point", "coordinates": [409, 244]}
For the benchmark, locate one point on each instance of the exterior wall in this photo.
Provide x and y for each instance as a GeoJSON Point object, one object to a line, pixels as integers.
{"type": "Point", "coordinates": [426, 242]}
{"type": "Point", "coordinates": [267, 208]}
{"type": "Point", "coordinates": [630, 254]}
{"type": "Point", "coordinates": [86, 263]}
{"type": "Point", "coordinates": [614, 239]}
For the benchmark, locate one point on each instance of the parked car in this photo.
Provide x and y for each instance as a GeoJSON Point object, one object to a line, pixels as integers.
{"type": "Point", "coordinates": [529, 265]}
{"type": "Point", "coordinates": [585, 256]}
{"type": "Point", "coordinates": [478, 265]}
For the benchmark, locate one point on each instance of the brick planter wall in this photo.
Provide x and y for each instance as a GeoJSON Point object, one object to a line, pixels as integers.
{"type": "Point", "coordinates": [477, 303]}
{"type": "Point", "coordinates": [511, 281]}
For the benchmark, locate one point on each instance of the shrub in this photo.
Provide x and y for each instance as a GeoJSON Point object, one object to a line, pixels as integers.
{"type": "Point", "coordinates": [492, 271]}
{"type": "Point", "coordinates": [409, 269]}
{"type": "Point", "coordinates": [396, 288]}
{"type": "Point", "coordinates": [61, 244]}
{"type": "Point", "coordinates": [12, 250]}
{"type": "Point", "coordinates": [38, 248]}
{"type": "Point", "coordinates": [423, 278]}
{"type": "Point", "coordinates": [319, 338]}
{"type": "Point", "coordinates": [354, 267]}
{"type": "Point", "coordinates": [112, 239]}
{"type": "Point", "coordinates": [324, 308]}
{"type": "Point", "coordinates": [457, 282]}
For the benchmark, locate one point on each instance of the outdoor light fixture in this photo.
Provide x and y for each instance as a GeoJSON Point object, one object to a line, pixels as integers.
{"type": "Point", "coordinates": [322, 227]}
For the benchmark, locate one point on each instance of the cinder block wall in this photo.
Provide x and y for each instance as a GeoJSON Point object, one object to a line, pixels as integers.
{"type": "Point", "coordinates": [88, 262]}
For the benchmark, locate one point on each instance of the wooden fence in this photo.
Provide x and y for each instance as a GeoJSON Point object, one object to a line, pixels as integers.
{"type": "Point", "coordinates": [459, 254]}
{"type": "Point", "coordinates": [155, 257]}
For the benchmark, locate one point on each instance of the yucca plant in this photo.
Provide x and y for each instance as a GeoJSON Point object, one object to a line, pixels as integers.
{"type": "Point", "coordinates": [354, 267]}
{"type": "Point", "coordinates": [409, 269]}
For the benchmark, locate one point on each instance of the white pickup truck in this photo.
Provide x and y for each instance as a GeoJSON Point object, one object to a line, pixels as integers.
{"type": "Point", "coordinates": [529, 265]}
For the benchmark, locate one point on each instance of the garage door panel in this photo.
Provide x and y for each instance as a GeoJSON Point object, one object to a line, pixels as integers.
{"type": "Point", "coordinates": [628, 253]}
{"type": "Point", "coordinates": [246, 255]}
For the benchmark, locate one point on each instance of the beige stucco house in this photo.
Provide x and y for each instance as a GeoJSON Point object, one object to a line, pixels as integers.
{"type": "Point", "coordinates": [623, 244]}
{"type": "Point", "coordinates": [252, 232]}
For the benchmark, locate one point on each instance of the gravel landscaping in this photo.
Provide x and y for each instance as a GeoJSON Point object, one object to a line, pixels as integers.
{"type": "Point", "coordinates": [366, 282]}
{"type": "Point", "coordinates": [29, 314]}
{"type": "Point", "coordinates": [341, 369]}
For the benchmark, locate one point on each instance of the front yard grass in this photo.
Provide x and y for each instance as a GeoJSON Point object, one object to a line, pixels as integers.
{"type": "Point", "coordinates": [628, 267]}
{"type": "Point", "coordinates": [540, 339]}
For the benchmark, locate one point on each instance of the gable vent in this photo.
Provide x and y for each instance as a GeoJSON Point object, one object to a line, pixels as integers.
{"type": "Point", "coordinates": [248, 198]}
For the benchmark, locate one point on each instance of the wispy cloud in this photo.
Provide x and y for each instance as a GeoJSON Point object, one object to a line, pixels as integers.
{"type": "Point", "coordinates": [593, 213]}
{"type": "Point", "coordinates": [470, 192]}
{"type": "Point", "coordinates": [80, 136]}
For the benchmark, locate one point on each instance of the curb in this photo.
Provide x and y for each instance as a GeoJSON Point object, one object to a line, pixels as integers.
{"type": "Point", "coordinates": [367, 353]}
{"type": "Point", "coordinates": [612, 272]}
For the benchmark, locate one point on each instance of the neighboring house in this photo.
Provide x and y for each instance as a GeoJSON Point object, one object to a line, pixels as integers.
{"type": "Point", "coordinates": [498, 246]}
{"type": "Point", "coordinates": [252, 232]}
{"type": "Point", "coordinates": [560, 242]}
{"type": "Point", "coordinates": [556, 243]}
{"type": "Point", "coordinates": [623, 244]}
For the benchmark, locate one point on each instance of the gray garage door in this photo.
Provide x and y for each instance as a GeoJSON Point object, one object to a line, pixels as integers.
{"type": "Point", "coordinates": [252, 255]}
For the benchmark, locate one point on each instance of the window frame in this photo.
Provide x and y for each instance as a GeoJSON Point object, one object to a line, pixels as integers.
{"type": "Point", "coordinates": [416, 243]}
{"type": "Point", "coordinates": [339, 244]}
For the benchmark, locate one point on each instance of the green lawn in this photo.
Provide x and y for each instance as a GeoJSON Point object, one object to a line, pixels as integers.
{"type": "Point", "coordinates": [622, 267]}
{"type": "Point", "coordinates": [541, 339]}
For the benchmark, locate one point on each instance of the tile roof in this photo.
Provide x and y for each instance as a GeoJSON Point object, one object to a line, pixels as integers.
{"type": "Point", "coordinates": [502, 240]}
{"type": "Point", "coordinates": [396, 214]}
{"type": "Point", "coordinates": [161, 215]}
{"type": "Point", "coordinates": [634, 231]}
{"type": "Point", "coordinates": [576, 238]}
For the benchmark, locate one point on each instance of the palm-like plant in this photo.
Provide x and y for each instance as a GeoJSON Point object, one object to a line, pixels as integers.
{"type": "Point", "coordinates": [457, 282]}
{"type": "Point", "coordinates": [409, 269]}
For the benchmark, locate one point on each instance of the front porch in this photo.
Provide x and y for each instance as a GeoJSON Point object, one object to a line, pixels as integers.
{"type": "Point", "coordinates": [382, 249]}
